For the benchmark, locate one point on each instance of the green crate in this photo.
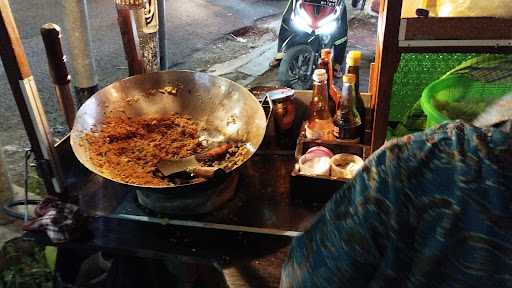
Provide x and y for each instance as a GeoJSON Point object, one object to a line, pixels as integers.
{"type": "Point", "coordinates": [457, 97]}
{"type": "Point", "coordinates": [415, 73]}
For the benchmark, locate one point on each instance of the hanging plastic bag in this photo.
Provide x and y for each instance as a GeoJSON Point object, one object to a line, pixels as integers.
{"type": "Point", "coordinates": [473, 8]}
{"type": "Point", "coordinates": [459, 8]}
{"type": "Point", "coordinates": [409, 8]}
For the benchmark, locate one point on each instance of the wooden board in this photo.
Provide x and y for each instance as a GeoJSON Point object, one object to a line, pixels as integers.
{"type": "Point", "coordinates": [387, 57]}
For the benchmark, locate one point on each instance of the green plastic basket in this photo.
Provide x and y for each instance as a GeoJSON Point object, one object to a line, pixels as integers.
{"type": "Point", "coordinates": [457, 97]}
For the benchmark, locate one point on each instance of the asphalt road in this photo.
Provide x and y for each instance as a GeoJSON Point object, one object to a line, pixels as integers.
{"type": "Point", "coordinates": [192, 25]}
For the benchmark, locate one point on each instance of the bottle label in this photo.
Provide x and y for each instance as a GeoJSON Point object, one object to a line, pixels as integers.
{"type": "Point", "coordinates": [346, 133]}
{"type": "Point", "coordinates": [312, 133]}
{"type": "Point", "coordinates": [320, 129]}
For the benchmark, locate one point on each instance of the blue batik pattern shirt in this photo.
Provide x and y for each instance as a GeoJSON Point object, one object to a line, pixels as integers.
{"type": "Point", "coordinates": [429, 210]}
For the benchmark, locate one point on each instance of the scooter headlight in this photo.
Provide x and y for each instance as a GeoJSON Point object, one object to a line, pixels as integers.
{"type": "Point", "coordinates": [301, 20]}
{"type": "Point", "coordinates": [328, 24]}
{"type": "Point", "coordinates": [327, 28]}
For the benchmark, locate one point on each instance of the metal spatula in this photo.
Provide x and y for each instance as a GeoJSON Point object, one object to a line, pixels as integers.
{"type": "Point", "coordinates": [193, 165]}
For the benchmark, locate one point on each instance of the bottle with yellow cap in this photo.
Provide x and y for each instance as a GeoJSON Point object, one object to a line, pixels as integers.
{"type": "Point", "coordinates": [319, 122]}
{"type": "Point", "coordinates": [353, 64]}
{"type": "Point", "coordinates": [347, 121]}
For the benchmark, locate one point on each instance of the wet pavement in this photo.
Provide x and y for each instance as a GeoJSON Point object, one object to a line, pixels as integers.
{"type": "Point", "coordinates": [361, 36]}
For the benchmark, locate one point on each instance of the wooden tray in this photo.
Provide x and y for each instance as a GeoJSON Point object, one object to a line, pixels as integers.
{"type": "Point", "coordinates": [321, 188]}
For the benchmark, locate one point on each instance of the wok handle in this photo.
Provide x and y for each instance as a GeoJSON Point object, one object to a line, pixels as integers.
{"type": "Point", "coordinates": [208, 172]}
{"type": "Point", "coordinates": [52, 35]}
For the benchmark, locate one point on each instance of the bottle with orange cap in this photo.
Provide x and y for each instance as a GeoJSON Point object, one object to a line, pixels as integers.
{"type": "Point", "coordinates": [325, 62]}
{"type": "Point", "coordinates": [347, 121]}
{"type": "Point", "coordinates": [325, 58]}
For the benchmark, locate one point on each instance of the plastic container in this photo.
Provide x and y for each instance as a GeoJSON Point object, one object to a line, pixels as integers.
{"type": "Point", "coordinates": [345, 165]}
{"type": "Point", "coordinates": [320, 151]}
{"type": "Point", "coordinates": [457, 97]}
{"type": "Point", "coordinates": [314, 165]}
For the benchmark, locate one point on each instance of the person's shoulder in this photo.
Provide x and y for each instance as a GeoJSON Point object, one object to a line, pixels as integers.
{"type": "Point", "coordinates": [446, 132]}
{"type": "Point", "coordinates": [445, 138]}
{"type": "Point", "coordinates": [443, 132]}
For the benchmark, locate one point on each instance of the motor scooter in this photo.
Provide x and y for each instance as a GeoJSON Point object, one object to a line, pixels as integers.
{"type": "Point", "coordinates": [307, 27]}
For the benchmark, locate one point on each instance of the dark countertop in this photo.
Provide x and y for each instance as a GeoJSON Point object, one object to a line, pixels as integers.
{"type": "Point", "coordinates": [263, 200]}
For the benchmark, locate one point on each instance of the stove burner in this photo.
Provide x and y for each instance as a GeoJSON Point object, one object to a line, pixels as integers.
{"type": "Point", "coordinates": [190, 201]}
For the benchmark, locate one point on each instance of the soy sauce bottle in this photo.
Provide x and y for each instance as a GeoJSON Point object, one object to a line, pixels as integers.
{"type": "Point", "coordinates": [347, 121]}
{"type": "Point", "coordinates": [353, 64]}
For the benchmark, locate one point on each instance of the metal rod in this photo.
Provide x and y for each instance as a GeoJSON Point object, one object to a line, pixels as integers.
{"type": "Point", "coordinates": [207, 225]}
{"type": "Point", "coordinates": [77, 32]}
{"type": "Point", "coordinates": [28, 153]}
{"type": "Point", "coordinates": [162, 34]}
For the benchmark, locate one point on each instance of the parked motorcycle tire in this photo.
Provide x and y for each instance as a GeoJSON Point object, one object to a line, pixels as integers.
{"type": "Point", "coordinates": [294, 71]}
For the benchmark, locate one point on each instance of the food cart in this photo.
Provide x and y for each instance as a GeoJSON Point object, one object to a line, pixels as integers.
{"type": "Point", "coordinates": [247, 236]}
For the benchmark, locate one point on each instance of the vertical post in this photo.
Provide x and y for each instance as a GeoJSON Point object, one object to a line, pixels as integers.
{"type": "Point", "coordinates": [162, 34]}
{"type": "Point", "coordinates": [147, 28]}
{"type": "Point", "coordinates": [387, 58]}
{"type": "Point", "coordinates": [129, 35]}
{"type": "Point", "coordinates": [77, 31]}
{"type": "Point", "coordinates": [52, 39]}
{"type": "Point", "coordinates": [143, 36]}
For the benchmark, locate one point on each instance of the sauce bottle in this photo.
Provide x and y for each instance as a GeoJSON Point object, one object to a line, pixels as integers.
{"type": "Point", "coordinates": [325, 62]}
{"type": "Point", "coordinates": [353, 63]}
{"type": "Point", "coordinates": [319, 124]}
{"type": "Point", "coordinates": [347, 121]}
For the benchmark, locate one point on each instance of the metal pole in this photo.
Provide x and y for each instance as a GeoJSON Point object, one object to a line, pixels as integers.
{"type": "Point", "coordinates": [145, 14]}
{"type": "Point", "coordinates": [162, 35]}
{"type": "Point", "coordinates": [77, 26]}
{"type": "Point", "coordinates": [147, 28]}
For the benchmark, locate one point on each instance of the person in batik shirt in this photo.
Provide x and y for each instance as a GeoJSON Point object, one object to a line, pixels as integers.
{"type": "Point", "coordinates": [432, 209]}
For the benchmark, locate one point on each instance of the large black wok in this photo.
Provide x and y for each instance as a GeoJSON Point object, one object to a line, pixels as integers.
{"type": "Point", "coordinates": [227, 110]}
